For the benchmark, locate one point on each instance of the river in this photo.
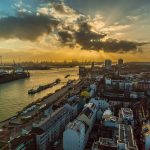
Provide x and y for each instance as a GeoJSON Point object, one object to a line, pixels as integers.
{"type": "Point", "coordinates": [14, 95]}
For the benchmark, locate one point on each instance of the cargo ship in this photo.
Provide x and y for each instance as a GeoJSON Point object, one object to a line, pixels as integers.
{"type": "Point", "coordinates": [44, 87]}
{"type": "Point", "coordinates": [15, 74]}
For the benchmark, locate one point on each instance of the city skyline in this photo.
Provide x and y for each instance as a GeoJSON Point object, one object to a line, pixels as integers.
{"type": "Point", "coordinates": [92, 30]}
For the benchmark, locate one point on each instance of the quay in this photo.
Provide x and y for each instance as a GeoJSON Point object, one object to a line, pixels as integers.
{"type": "Point", "coordinates": [31, 113]}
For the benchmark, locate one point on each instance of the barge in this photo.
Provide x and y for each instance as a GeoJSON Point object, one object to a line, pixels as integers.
{"type": "Point", "coordinates": [44, 87]}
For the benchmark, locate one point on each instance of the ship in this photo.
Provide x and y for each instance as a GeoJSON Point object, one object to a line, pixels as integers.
{"type": "Point", "coordinates": [43, 87]}
{"type": "Point", "coordinates": [67, 75]}
{"type": "Point", "coordinates": [17, 73]}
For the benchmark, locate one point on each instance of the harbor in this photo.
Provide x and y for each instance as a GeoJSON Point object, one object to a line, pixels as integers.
{"type": "Point", "coordinates": [83, 105]}
{"type": "Point", "coordinates": [16, 73]}
{"type": "Point", "coordinates": [18, 97]}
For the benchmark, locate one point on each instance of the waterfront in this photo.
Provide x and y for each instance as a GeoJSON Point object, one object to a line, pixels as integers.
{"type": "Point", "coordinates": [14, 96]}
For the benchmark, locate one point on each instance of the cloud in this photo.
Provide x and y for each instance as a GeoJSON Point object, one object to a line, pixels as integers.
{"type": "Point", "coordinates": [26, 27]}
{"type": "Point", "coordinates": [65, 36]}
{"type": "Point", "coordinates": [90, 40]}
{"type": "Point", "coordinates": [60, 11]}
{"type": "Point", "coordinates": [113, 45]}
{"type": "Point", "coordinates": [70, 28]}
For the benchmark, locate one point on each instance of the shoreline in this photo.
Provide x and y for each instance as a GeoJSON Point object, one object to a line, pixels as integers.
{"type": "Point", "coordinates": [37, 101]}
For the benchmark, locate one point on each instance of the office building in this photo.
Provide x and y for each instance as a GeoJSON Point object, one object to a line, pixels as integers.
{"type": "Point", "coordinates": [108, 64]}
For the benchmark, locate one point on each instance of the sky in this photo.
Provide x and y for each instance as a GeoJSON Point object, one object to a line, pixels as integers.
{"type": "Point", "coordinates": [83, 30]}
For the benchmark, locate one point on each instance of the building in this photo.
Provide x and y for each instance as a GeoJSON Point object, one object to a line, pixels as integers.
{"type": "Point", "coordinates": [120, 62]}
{"type": "Point", "coordinates": [103, 104]}
{"type": "Point", "coordinates": [41, 138]}
{"type": "Point", "coordinates": [80, 128]}
{"type": "Point", "coordinates": [108, 64]}
{"type": "Point", "coordinates": [126, 116]}
{"type": "Point", "coordinates": [143, 85]}
{"type": "Point", "coordinates": [4, 146]}
{"type": "Point", "coordinates": [123, 140]}
{"type": "Point", "coordinates": [74, 135]}
{"type": "Point", "coordinates": [126, 138]}
{"type": "Point", "coordinates": [104, 144]}
{"type": "Point", "coordinates": [110, 121]}
{"type": "Point", "coordinates": [23, 142]}
{"type": "Point", "coordinates": [137, 94]}
{"type": "Point", "coordinates": [88, 115]}
{"type": "Point", "coordinates": [52, 126]}
{"type": "Point", "coordinates": [146, 134]}
{"type": "Point", "coordinates": [73, 108]}
{"type": "Point", "coordinates": [107, 113]}
{"type": "Point", "coordinates": [119, 83]}
{"type": "Point", "coordinates": [93, 88]}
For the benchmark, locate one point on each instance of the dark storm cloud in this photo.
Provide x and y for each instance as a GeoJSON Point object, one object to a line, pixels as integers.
{"type": "Point", "coordinates": [65, 37]}
{"type": "Point", "coordinates": [89, 40]}
{"type": "Point", "coordinates": [26, 26]}
{"type": "Point", "coordinates": [86, 38]}
{"type": "Point", "coordinates": [113, 45]}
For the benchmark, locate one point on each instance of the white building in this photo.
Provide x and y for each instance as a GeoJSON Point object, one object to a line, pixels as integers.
{"type": "Point", "coordinates": [107, 113]}
{"type": "Point", "coordinates": [126, 138]}
{"type": "Point", "coordinates": [88, 115]}
{"type": "Point", "coordinates": [77, 132]}
{"type": "Point", "coordinates": [74, 136]}
{"type": "Point", "coordinates": [120, 83]}
{"type": "Point", "coordinates": [54, 124]}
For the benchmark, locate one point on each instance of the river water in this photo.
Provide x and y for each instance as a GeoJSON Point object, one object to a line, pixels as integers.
{"type": "Point", "coordinates": [14, 95]}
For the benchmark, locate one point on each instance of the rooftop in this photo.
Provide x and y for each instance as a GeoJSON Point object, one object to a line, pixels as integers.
{"type": "Point", "coordinates": [146, 129]}
{"type": "Point", "coordinates": [91, 105]}
{"type": "Point", "coordinates": [107, 141]}
{"type": "Point", "coordinates": [126, 136]}
{"type": "Point", "coordinates": [88, 112]}
{"type": "Point", "coordinates": [37, 130]}
{"type": "Point", "coordinates": [76, 125]}
{"type": "Point", "coordinates": [127, 112]}
{"type": "Point", "coordinates": [52, 118]}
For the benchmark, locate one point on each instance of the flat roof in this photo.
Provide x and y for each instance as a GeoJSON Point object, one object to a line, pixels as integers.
{"type": "Point", "coordinates": [127, 112]}
{"type": "Point", "coordinates": [88, 112]}
{"type": "Point", "coordinates": [107, 142]}
{"type": "Point", "coordinates": [146, 129]}
{"type": "Point", "coordinates": [126, 136]}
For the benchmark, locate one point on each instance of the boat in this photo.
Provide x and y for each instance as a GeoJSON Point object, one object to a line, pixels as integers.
{"type": "Point", "coordinates": [67, 75]}
{"type": "Point", "coordinates": [17, 73]}
{"type": "Point", "coordinates": [43, 87]}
